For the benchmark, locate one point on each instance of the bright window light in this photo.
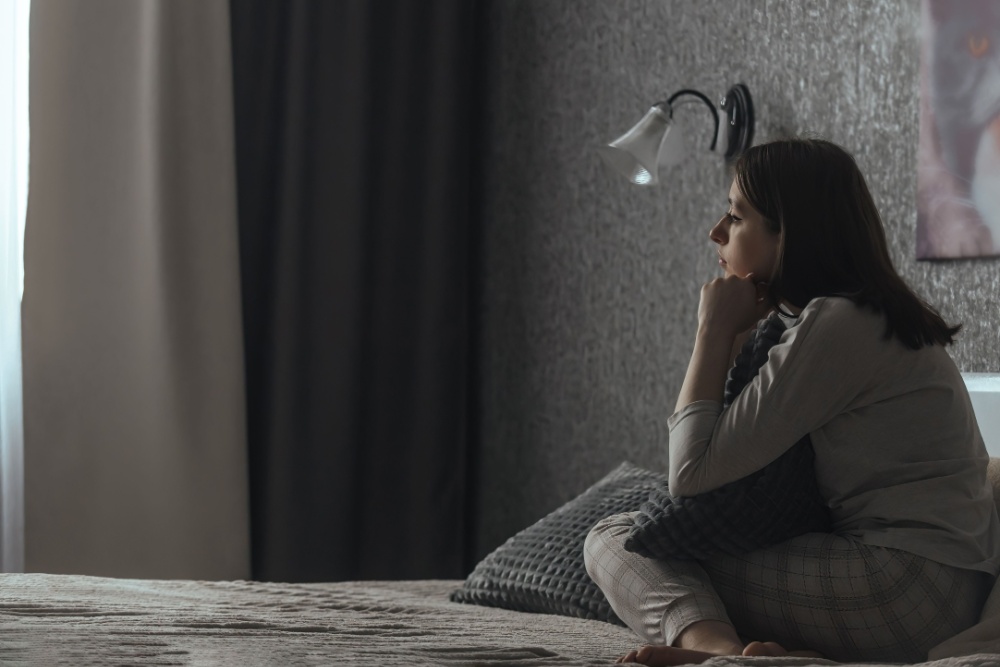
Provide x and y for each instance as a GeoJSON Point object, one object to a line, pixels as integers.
{"type": "Point", "coordinates": [13, 206]}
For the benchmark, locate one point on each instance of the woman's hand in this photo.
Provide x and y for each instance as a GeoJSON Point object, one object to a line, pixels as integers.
{"type": "Point", "coordinates": [728, 307]}
{"type": "Point", "coordinates": [731, 305]}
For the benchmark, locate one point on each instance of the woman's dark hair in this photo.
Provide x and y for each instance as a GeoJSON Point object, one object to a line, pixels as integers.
{"type": "Point", "coordinates": [832, 240]}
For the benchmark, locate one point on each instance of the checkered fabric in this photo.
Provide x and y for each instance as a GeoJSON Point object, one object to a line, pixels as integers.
{"type": "Point", "coordinates": [823, 592]}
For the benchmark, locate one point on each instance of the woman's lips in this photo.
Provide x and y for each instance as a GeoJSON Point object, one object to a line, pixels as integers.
{"type": "Point", "coordinates": [722, 262]}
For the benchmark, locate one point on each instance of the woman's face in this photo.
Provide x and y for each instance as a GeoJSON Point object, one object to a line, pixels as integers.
{"type": "Point", "coordinates": [746, 245]}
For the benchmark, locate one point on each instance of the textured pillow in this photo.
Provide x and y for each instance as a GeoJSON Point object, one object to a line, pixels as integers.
{"type": "Point", "coordinates": [772, 505]}
{"type": "Point", "coordinates": [541, 568]}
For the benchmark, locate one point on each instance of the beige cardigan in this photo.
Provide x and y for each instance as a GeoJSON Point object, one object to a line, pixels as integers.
{"type": "Point", "coordinates": [899, 456]}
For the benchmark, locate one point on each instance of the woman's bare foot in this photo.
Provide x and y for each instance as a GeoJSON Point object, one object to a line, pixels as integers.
{"type": "Point", "coordinates": [654, 656]}
{"type": "Point", "coordinates": [696, 644]}
{"type": "Point", "coordinates": [702, 641]}
{"type": "Point", "coordinates": [657, 656]}
{"type": "Point", "coordinates": [775, 649]}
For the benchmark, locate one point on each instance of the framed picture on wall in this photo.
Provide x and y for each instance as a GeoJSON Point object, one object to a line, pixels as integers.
{"type": "Point", "coordinates": [958, 161]}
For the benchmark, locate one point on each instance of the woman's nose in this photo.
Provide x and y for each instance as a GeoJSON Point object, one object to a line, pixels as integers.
{"type": "Point", "coordinates": [718, 233]}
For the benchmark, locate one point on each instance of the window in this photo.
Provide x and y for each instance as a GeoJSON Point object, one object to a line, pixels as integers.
{"type": "Point", "coordinates": [13, 206]}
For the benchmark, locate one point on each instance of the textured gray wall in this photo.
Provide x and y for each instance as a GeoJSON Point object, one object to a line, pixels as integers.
{"type": "Point", "coordinates": [592, 284]}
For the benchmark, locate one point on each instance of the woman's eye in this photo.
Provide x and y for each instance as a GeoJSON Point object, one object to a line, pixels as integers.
{"type": "Point", "coordinates": [732, 217]}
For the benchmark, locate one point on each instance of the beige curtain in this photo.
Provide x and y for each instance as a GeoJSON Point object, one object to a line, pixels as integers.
{"type": "Point", "coordinates": [135, 457]}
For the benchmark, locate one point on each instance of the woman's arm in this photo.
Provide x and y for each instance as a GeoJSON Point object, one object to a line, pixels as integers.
{"type": "Point", "coordinates": [728, 309]}
{"type": "Point", "coordinates": [816, 372]}
{"type": "Point", "coordinates": [705, 379]}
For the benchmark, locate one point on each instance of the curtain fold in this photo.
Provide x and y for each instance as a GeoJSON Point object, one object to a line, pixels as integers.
{"type": "Point", "coordinates": [356, 124]}
{"type": "Point", "coordinates": [134, 410]}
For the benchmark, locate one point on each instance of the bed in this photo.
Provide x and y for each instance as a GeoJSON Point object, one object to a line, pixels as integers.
{"type": "Point", "coordinates": [79, 620]}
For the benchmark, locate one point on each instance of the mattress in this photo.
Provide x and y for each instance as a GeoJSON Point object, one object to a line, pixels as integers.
{"type": "Point", "coordinates": [78, 620]}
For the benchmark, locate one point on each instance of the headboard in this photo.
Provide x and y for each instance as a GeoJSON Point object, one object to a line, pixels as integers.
{"type": "Point", "coordinates": [984, 389]}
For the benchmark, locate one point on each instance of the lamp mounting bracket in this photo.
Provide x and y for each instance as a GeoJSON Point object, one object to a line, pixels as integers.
{"type": "Point", "coordinates": [738, 107]}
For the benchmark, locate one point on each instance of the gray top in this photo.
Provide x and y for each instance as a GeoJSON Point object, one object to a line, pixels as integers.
{"type": "Point", "coordinates": [899, 456]}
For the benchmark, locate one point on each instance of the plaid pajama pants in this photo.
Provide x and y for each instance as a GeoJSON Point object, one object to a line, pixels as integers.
{"type": "Point", "coordinates": [828, 593]}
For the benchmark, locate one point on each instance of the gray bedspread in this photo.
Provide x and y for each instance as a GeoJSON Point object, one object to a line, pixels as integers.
{"type": "Point", "coordinates": [77, 620]}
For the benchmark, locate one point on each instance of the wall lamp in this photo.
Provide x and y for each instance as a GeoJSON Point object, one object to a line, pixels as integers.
{"type": "Point", "coordinates": [655, 143]}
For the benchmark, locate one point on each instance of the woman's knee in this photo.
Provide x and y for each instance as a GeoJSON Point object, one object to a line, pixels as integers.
{"type": "Point", "coordinates": [606, 539]}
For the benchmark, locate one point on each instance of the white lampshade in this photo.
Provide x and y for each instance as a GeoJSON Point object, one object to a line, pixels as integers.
{"type": "Point", "coordinates": [657, 141]}
{"type": "Point", "coordinates": [653, 143]}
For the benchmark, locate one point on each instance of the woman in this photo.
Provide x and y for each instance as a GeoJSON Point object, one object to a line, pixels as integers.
{"type": "Point", "coordinates": [900, 461]}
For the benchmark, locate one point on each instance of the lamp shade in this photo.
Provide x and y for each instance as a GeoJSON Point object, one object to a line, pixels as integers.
{"type": "Point", "coordinates": [656, 141]}
{"type": "Point", "coordinates": [652, 143]}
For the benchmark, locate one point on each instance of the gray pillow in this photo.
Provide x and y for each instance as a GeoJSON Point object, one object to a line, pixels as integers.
{"type": "Point", "coordinates": [541, 568]}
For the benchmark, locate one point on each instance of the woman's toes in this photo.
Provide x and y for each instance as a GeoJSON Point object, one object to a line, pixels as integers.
{"type": "Point", "coordinates": [764, 648]}
{"type": "Point", "coordinates": [775, 649]}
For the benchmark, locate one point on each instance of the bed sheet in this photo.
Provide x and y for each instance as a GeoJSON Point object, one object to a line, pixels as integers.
{"type": "Point", "coordinates": [78, 620]}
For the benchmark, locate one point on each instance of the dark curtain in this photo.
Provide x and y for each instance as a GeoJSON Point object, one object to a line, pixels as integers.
{"type": "Point", "coordinates": [356, 127]}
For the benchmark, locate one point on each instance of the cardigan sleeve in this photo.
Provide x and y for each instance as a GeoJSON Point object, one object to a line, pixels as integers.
{"type": "Point", "coordinates": [812, 374]}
